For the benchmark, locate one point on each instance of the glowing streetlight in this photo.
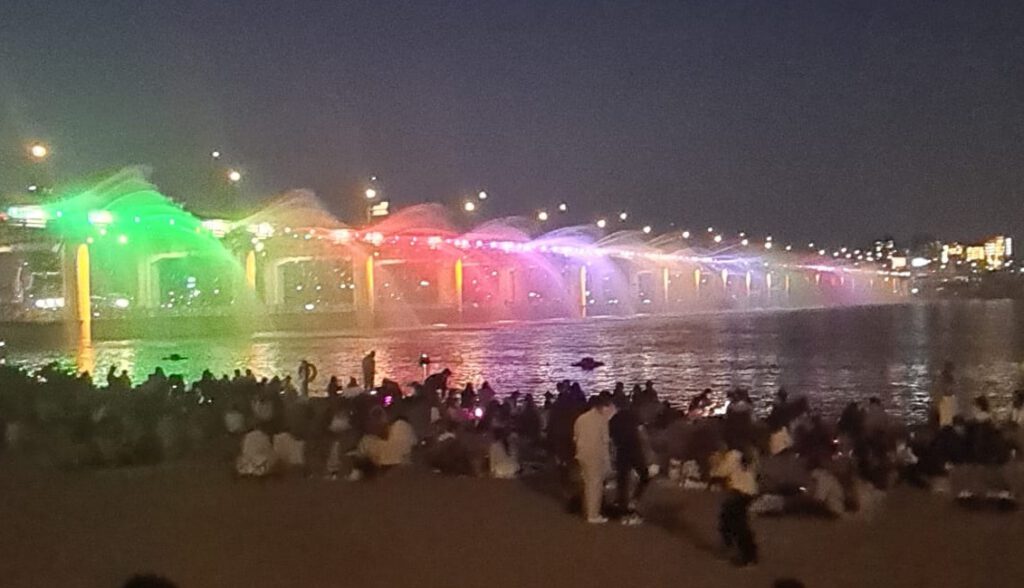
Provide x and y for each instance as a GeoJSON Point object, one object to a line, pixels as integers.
{"type": "Point", "coordinates": [745, 242]}
{"type": "Point", "coordinates": [542, 215]}
{"type": "Point", "coordinates": [234, 176]}
{"type": "Point", "coordinates": [711, 229]}
{"type": "Point", "coordinates": [601, 223]}
{"type": "Point", "coordinates": [469, 206]}
{"type": "Point", "coordinates": [482, 195]}
{"type": "Point", "coordinates": [563, 207]}
{"type": "Point", "coordinates": [767, 244]}
{"type": "Point", "coordinates": [370, 193]}
{"type": "Point", "coordinates": [215, 154]}
{"type": "Point", "coordinates": [686, 234]}
{"type": "Point", "coordinates": [623, 216]}
{"type": "Point", "coordinates": [38, 151]}
{"type": "Point", "coordinates": [32, 187]}
{"type": "Point", "coordinates": [647, 229]}
{"type": "Point", "coordinates": [718, 238]}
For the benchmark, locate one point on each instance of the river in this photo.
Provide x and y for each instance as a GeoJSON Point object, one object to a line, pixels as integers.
{"type": "Point", "coordinates": [831, 355]}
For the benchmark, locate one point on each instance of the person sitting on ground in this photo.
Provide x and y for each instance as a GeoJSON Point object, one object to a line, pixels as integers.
{"type": "Point", "coordinates": [352, 389]}
{"type": "Point", "coordinates": [982, 412]}
{"type": "Point", "coordinates": [699, 405]}
{"type": "Point", "coordinates": [1017, 409]}
{"type": "Point", "coordinates": [779, 438]}
{"type": "Point", "coordinates": [258, 458]}
{"type": "Point", "coordinates": [333, 387]}
{"type": "Point", "coordinates": [376, 453]}
{"type": "Point", "coordinates": [503, 454]}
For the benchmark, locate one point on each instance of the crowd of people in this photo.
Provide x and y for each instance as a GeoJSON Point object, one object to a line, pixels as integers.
{"type": "Point", "coordinates": [604, 448]}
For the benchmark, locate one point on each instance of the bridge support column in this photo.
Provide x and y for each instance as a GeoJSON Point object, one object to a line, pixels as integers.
{"type": "Point", "coordinates": [147, 294]}
{"type": "Point", "coordinates": [365, 298]}
{"type": "Point", "coordinates": [578, 295]}
{"type": "Point", "coordinates": [449, 284]}
{"type": "Point", "coordinates": [250, 270]}
{"type": "Point", "coordinates": [506, 287]}
{"type": "Point", "coordinates": [78, 290]}
{"type": "Point", "coordinates": [663, 289]}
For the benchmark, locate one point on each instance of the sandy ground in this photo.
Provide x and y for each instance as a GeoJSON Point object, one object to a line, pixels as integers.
{"type": "Point", "coordinates": [194, 524]}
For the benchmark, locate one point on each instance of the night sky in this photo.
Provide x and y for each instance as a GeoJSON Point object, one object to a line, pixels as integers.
{"type": "Point", "coordinates": [816, 119]}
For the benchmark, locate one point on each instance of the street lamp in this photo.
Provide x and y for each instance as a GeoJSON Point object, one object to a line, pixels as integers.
{"type": "Point", "coordinates": [718, 238]}
{"type": "Point", "coordinates": [542, 215]}
{"type": "Point", "coordinates": [370, 193]}
{"type": "Point", "coordinates": [563, 207]}
{"type": "Point", "coordinates": [215, 154]}
{"type": "Point", "coordinates": [647, 229]}
{"type": "Point", "coordinates": [482, 195]}
{"type": "Point", "coordinates": [38, 151]}
{"type": "Point", "coordinates": [234, 176]}
{"type": "Point", "coordinates": [469, 206]}
{"type": "Point", "coordinates": [601, 223]}
{"type": "Point", "coordinates": [686, 234]}
{"type": "Point", "coordinates": [623, 216]}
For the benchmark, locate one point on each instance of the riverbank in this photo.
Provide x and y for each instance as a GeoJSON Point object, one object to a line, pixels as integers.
{"type": "Point", "coordinates": [193, 523]}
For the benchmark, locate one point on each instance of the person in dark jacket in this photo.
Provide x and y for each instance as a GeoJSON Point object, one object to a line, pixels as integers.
{"type": "Point", "coordinates": [624, 430]}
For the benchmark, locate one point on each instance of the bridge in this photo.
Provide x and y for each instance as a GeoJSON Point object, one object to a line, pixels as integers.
{"type": "Point", "coordinates": [121, 251]}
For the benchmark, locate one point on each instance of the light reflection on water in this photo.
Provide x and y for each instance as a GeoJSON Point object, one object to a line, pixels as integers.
{"type": "Point", "coordinates": [831, 355]}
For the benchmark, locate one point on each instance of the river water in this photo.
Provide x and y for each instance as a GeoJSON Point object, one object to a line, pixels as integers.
{"type": "Point", "coordinates": [831, 355]}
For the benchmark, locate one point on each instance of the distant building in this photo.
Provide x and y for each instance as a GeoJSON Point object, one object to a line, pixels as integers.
{"type": "Point", "coordinates": [991, 254]}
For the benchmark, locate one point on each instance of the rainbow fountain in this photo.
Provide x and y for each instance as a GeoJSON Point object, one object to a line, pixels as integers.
{"type": "Point", "coordinates": [115, 258]}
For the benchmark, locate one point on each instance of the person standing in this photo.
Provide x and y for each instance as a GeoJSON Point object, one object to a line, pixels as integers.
{"type": "Point", "coordinates": [625, 431]}
{"type": "Point", "coordinates": [307, 373]}
{"type": "Point", "coordinates": [590, 433]}
{"type": "Point", "coordinates": [369, 370]}
{"type": "Point", "coordinates": [945, 398]}
{"type": "Point", "coordinates": [737, 469]}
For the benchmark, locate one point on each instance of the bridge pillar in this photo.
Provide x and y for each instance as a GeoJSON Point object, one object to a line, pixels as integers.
{"type": "Point", "coordinates": [273, 289]}
{"type": "Point", "coordinates": [77, 287]}
{"type": "Point", "coordinates": [448, 280]}
{"type": "Point", "coordinates": [365, 297]}
{"type": "Point", "coordinates": [663, 290]}
{"type": "Point", "coordinates": [506, 287]}
{"type": "Point", "coordinates": [147, 294]}
{"type": "Point", "coordinates": [250, 270]}
{"type": "Point", "coordinates": [578, 295]}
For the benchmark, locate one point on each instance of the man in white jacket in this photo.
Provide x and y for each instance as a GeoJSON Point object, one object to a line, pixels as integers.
{"type": "Point", "coordinates": [590, 432]}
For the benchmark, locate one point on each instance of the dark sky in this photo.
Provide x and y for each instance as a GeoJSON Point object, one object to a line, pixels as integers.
{"type": "Point", "coordinates": [815, 119]}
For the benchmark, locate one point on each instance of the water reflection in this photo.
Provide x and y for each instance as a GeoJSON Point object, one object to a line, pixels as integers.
{"type": "Point", "coordinates": [832, 355]}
